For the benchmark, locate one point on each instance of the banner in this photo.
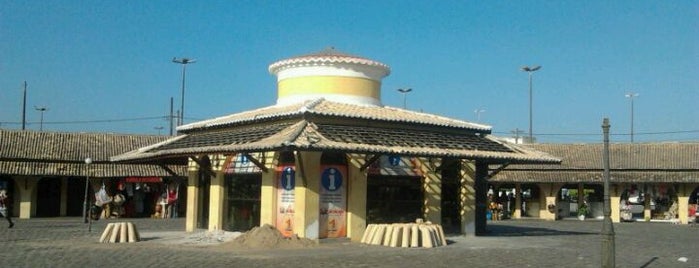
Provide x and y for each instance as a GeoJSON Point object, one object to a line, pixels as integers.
{"type": "Point", "coordinates": [285, 184]}
{"type": "Point", "coordinates": [333, 201]}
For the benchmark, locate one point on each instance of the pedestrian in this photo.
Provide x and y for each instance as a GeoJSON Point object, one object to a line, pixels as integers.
{"type": "Point", "coordinates": [5, 207]}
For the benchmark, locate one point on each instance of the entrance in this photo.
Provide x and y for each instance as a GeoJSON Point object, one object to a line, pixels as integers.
{"type": "Point", "coordinates": [48, 197]}
{"type": "Point", "coordinates": [243, 197]}
{"type": "Point", "coordinates": [394, 199]}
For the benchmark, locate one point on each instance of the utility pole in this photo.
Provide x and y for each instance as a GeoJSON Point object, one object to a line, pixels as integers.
{"type": "Point", "coordinates": [24, 107]}
{"type": "Point", "coordinates": [631, 96]}
{"type": "Point", "coordinates": [517, 132]}
{"type": "Point", "coordinates": [172, 116]}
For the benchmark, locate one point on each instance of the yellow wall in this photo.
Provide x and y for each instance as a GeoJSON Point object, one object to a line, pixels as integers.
{"type": "Point", "coordinates": [329, 84]}
{"type": "Point", "coordinates": [268, 195]}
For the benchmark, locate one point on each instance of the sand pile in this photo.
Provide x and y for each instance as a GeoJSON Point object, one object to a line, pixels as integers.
{"type": "Point", "coordinates": [266, 236]}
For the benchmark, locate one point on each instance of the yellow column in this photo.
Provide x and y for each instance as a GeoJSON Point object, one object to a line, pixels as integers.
{"type": "Point", "coordinates": [467, 198]}
{"type": "Point", "coordinates": [26, 193]}
{"type": "Point", "coordinates": [646, 204]}
{"type": "Point", "coordinates": [432, 187]}
{"type": "Point", "coordinates": [268, 194]}
{"type": "Point", "coordinates": [615, 200]}
{"type": "Point", "coordinates": [216, 200]}
{"type": "Point", "coordinates": [306, 200]}
{"type": "Point", "coordinates": [546, 198]}
{"type": "Point", "coordinates": [683, 202]}
{"type": "Point", "coordinates": [356, 199]}
{"type": "Point", "coordinates": [192, 197]}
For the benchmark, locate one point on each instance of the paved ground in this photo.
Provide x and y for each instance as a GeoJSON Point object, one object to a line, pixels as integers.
{"type": "Point", "coordinates": [65, 242]}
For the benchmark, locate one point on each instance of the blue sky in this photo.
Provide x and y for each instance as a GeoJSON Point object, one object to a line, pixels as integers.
{"type": "Point", "coordinates": [111, 61]}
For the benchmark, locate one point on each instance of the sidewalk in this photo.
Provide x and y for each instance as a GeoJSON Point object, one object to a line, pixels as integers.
{"type": "Point", "coordinates": [65, 242]}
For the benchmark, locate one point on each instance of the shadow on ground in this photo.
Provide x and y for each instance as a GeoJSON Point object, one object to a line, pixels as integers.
{"type": "Point", "coordinates": [508, 231]}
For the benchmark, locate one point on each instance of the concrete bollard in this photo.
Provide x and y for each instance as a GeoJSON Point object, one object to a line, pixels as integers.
{"type": "Point", "coordinates": [120, 232]}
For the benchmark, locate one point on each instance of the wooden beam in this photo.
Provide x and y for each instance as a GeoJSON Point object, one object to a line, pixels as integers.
{"type": "Point", "coordinates": [170, 171]}
{"type": "Point", "coordinates": [497, 170]}
{"type": "Point", "coordinates": [256, 162]}
{"type": "Point", "coordinates": [369, 162]}
{"type": "Point", "coordinates": [208, 170]}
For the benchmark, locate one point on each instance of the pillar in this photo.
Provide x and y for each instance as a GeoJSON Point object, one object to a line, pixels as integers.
{"type": "Point", "coordinates": [647, 213]}
{"type": "Point", "coordinates": [217, 194]}
{"type": "Point", "coordinates": [615, 200]}
{"type": "Point", "coordinates": [192, 197]}
{"type": "Point", "coordinates": [549, 191]}
{"type": "Point", "coordinates": [26, 193]}
{"type": "Point", "coordinates": [268, 194]}
{"type": "Point", "coordinates": [432, 189]}
{"type": "Point", "coordinates": [356, 198]}
{"type": "Point", "coordinates": [481, 196]}
{"type": "Point", "coordinates": [683, 201]}
{"type": "Point", "coordinates": [518, 201]}
{"type": "Point", "coordinates": [467, 198]}
{"type": "Point", "coordinates": [307, 199]}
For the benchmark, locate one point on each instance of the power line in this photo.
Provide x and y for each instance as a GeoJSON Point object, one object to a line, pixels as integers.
{"type": "Point", "coordinates": [95, 121]}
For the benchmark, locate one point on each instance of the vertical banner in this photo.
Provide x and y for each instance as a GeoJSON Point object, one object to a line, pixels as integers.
{"type": "Point", "coordinates": [286, 181]}
{"type": "Point", "coordinates": [333, 201]}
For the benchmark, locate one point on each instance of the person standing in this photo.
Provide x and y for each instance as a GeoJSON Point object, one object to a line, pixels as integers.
{"type": "Point", "coordinates": [5, 207]}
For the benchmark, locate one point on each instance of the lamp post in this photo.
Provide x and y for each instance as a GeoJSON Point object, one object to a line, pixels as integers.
{"type": "Point", "coordinates": [404, 91]}
{"type": "Point", "coordinates": [86, 217]}
{"type": "Point", "coordinates": [608, 248]}
{"type": "Point", "coordinates": [530, 70]}
{"type": "Point", "coordinates": [41, 110]}
{"type": "Point", "coordinates": [184, 62]}
{"type": "Point", "coordinates": [159, 128]}
{"type": "Point", "coordinates": [478, 113]}
{"type": "Point", "coordinates": [631, 96]}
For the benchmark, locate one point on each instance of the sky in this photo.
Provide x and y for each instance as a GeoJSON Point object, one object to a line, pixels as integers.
{"type": "Point", "coordinates": [106, 66]}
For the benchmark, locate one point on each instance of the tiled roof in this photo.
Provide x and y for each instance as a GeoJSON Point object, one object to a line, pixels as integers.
{"type": "Point", "coordinates": [629, 162]}
{"type": "Point", "coordinates": [346, 111]}
{"type": "Point", "coordinates": [63, 154]}
{"type": "Point", "coordinates": [329, 126]}
{"type": "Point", "coordinates": [329, 55]}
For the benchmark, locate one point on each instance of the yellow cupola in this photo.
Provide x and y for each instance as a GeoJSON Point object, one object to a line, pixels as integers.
{"type": "Point", "coordinates": [331, 75]}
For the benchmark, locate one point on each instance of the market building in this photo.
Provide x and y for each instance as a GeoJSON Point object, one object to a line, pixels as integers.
{"type": "Point", "coordinates": [329, 158]}
{"type": "Point", "coordinates": [648, 182]}
{"type": "Point", "coordinates": [45, 173]}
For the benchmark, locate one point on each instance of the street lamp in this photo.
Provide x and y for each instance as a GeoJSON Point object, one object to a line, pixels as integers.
{"type": "Point", "coordinates": [41, 110]}
{"type": "Point", "coordinates": [87, 217]}
{"type": "Point", "coordinates": [530, 70]}
{"type": "Point", "coordinates": [608, 247]}
{"type": "Point", "coordinates": [631, 96]}
{"type": "Point", "coordinates": [404, 91]}
{"type": "Point", "coordinates": [184, 62]}
{"type": "Point", "coordinates": [159, 128]}
{"type": "Point", "coordinates": [478, 114]}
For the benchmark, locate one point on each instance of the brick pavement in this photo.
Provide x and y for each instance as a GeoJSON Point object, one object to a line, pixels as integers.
{"type": "Point", "coordinates": [65, 242]}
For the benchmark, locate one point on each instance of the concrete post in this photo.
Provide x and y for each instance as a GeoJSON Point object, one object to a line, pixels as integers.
{"type": "Point", "coordinates": [467, 198]}
{"type": "Point", "coordinates": [268, 197]}
{"type": "Point", "coordinates": [192, 197]}
{"type": "Point", "coordinates": [432, 187]}
{"type": "Point", "coordinates": [356, 198]}
{"type": "Point", "coordinates": [307, 198]}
